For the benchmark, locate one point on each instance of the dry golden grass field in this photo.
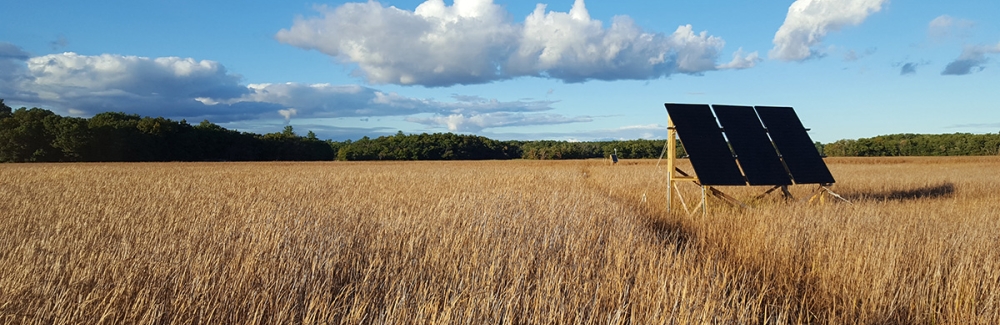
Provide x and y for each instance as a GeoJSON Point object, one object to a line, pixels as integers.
{"type": "Point", "coordinates": [497, 242]}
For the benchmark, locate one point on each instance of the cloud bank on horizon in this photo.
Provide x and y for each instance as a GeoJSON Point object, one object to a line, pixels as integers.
{"type": "Point", "coordinates": [474, 42]}
{"type": "Point", "coordinates": [188, 88]}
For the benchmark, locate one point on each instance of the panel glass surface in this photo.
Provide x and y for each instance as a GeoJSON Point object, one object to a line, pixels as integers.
{"type": "Point", "coordinates": [753, 148]}
{"type": "Point", "coordinates": [795, 146]}
{"type": "Point", "coordinates": [710, 155]}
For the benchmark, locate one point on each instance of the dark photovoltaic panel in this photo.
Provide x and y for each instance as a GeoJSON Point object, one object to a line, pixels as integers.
{"type": "Point", "coordinates": [753, 148]}
{"type": "Point", "coordinates": [794, 144]}
{"type": "Point", "coordinates": [710, 155]}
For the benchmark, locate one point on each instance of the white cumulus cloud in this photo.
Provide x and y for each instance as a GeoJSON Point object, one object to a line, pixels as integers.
{"type": "Point", "coordinates": [809, 21]}
{"type": "Point", "coordinates": [152, 86]}
{"type": "Point", "coordinates": [475, 41]}
{"type": "Point", "coordinates": [326, 100]}
{"type": "Point", "coordinates": [138, 76]}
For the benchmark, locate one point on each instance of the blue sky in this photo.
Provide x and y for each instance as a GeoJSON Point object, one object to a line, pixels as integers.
{"type": "Point", "coordinates": [563, 70]}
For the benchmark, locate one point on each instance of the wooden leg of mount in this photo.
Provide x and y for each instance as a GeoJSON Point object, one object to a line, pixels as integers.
{"type": "Point", "coordinates": [835, 194]}
{"type": "Point", "coordinates": [726, 198]}
{"type": "Point", "coordinates": [681, 198]}
{"type": "Point", "coordinates": [785, 193]}
{"type": "Point", "coordinates": [768, 192]}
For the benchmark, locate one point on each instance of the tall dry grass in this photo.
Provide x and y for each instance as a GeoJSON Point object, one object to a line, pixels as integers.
{"type": "Point", "coordinates": [520, 242]}
{"type": "Point", "coordinates": [920, 243]}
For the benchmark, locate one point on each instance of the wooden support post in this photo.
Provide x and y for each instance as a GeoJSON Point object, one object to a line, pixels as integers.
{"type": "Point", "coordinates": [675, 174]}
{"type": "Point", "coordinates": [704, 201]}
{"type": "Point", "coordinates": [671, 156]}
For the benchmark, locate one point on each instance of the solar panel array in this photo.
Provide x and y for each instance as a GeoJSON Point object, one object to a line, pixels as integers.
{"type": "Point", "coordinates": [752, 146]}
{"type": "Point", "coordinates": [769, 145]}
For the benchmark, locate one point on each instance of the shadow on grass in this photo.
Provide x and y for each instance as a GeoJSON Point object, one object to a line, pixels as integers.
{"type": "Point", "coordinates": [670, 232]}
{"type": "Point", "coordinates": [927, 192]}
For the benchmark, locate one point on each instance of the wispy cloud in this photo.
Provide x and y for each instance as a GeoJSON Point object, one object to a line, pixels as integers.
{"type": "Point", "coordinates": [478, 122]}
{"type": "Point", "coordinates": [59, 43]}
{"type": "Point", "coordinates": [973, 59]}
{"type": "Point", "coordinates": [475, 41]}
{"type": "Point", "coordinates": [322, 128]}
{"type": "Point", "coordinates": [975, 126]}
{"type": "Point", "coordinates": [852, 55]}
{"type": "Point", "coordinates": [945, 26]}
{"type": "Point", "coordinates": [645, 131]}
{"type": "Point", "coordinates": [809, 21]}
{"type": "Point", "coordinates": [326, 100]}
{"type": "Point", "coordinates": [909, 67]}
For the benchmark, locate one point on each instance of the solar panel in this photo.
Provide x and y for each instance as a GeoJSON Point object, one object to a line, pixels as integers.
{"type": "Point", "coordinates": [753, 148]}
{"type": "Point", "coordinates": [795, 146]}
{"type": "Point", "coordinates": [710, 155]}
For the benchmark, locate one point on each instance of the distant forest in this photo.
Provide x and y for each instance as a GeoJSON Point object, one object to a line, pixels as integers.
{"type": "Point", "coordinates": [955, 144]}
{"type": "Point", "coordinates": [36, 134]}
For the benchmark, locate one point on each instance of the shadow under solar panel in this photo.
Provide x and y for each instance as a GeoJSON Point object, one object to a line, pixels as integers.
{"type": "Point", "coordinates": [710, 155]}
{"type": "Point", "coordinates": [795, 146]}
{"type": "Point", "coordinates": [753, 148]}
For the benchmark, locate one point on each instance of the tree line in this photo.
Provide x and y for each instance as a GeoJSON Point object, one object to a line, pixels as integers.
{"type": "Point", "coordinates": [37, 134]}
{"type": "Point", "coordinates": [907, 144]}
{"type": "Point", "coordinates": [450, 146]}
